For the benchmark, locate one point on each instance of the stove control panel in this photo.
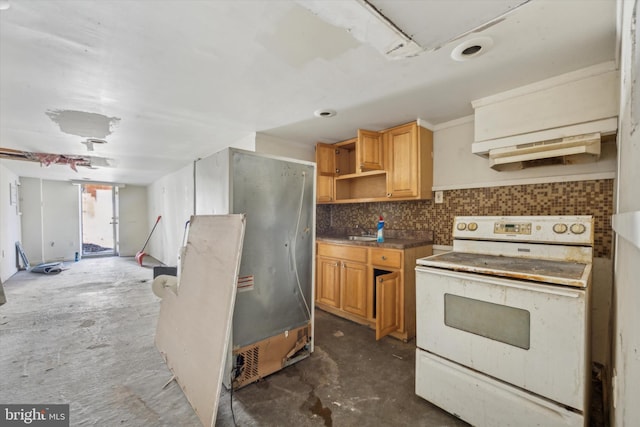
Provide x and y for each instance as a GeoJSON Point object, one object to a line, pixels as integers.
{"type": "Point", "coordinates": [574, 230]}
{"type": "Point", "coordinates": [512, 228]}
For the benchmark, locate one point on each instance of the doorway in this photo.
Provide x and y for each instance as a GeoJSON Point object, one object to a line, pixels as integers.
{"type": "Point", "coordinates": [99, 220]}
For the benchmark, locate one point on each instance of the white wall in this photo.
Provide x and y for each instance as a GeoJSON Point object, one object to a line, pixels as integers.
{"type": "Point", "coordinates": [268, 144]}
{"type": "Point", "coordinates": [626, 392]}
{"type": "Point", "coordinates": [171, 197]}
{"type": "Point", "coordinates": [50, 220]}
{"type": "Point", "coordinates": [9, 222]}
{"type": "Point", "coordinates": [31, 207]}
{"type": "Point", "coordinates": [454, 166]}
{"type": "Point", "coordinates": [132, 218]}
{"type": "Point", "coordinates": [60, 221]}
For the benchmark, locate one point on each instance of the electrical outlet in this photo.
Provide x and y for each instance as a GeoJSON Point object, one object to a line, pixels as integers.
{"type": "Point", "coordinates": [439, 197]}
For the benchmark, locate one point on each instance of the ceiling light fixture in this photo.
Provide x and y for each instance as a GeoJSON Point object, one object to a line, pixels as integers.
{"type": "Point", "coordinates": [471, 48]}
{"type": "Point", "coordinates": [324, 113]}
{"type": "Point", "coordinates": [90, 141]}
{"type": "Point", "coordinates": [4, 4]}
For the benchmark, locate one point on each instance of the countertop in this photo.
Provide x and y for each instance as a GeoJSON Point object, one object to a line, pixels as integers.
{"type": "Point", "coordinates": [391, 243]}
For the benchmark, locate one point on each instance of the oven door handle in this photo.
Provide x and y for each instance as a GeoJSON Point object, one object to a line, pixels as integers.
{"type": "Point", "coordinates": [501, 281]}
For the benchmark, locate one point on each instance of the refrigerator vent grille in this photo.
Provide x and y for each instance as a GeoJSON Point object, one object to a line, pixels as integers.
{"type": "Point", "coordinates": [251, 364]}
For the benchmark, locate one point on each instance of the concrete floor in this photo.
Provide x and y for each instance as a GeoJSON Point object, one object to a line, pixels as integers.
{"type": "Point", "coordinates": [85, 337]}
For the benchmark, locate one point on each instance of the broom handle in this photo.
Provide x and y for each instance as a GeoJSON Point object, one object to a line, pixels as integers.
{"type": "Point", "coordinates": [148, 238]}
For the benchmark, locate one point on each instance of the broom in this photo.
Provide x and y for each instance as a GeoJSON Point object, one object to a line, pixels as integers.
{"type": "Point", "coordinates": [141, 253]}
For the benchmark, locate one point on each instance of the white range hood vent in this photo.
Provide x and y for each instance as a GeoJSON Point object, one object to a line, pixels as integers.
{"type": "Point", "coordinates": [560, 120]}
{"type": "Point", "coordinates": [569, 150]}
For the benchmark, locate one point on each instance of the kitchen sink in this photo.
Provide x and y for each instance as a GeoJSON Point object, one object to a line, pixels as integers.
{"type": "Point", "coordinates": [362, 238]}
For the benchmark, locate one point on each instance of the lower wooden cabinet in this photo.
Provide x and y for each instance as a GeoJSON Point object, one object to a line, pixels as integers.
{"type": "Point", "coordinates": [388, 308]}
{"type": "Point", "coordinates": [370, 285]}
{"type": "Point", "coordinates": [354, 288]}
{"type": "Point", "coordinates": [328, 272]}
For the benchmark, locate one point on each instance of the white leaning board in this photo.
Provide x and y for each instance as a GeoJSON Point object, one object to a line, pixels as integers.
{"type": "Point", "coordinates": [483, 401]}
{"type": "Point", "coordinates": [195, 322]}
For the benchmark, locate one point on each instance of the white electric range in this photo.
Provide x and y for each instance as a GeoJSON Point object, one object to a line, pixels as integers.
{"type": "Point", "coordinates": [503, 321]}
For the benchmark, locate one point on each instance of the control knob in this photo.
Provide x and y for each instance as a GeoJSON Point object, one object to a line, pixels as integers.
{"type": "Point", "coordinates": [461, 226]}
{"type": "Point", "coordinates": [559, 228]}
{"type": "Point", "coordinates": [473, 226]}
{"type": "Point", "coordinates": [578, 228]}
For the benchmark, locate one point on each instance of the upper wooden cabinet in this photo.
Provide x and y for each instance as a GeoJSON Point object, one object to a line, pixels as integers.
{"type": "Point", "coordinates": [325, 173]}
{"type": "Point", "coordinates": [409, 162]}
{"type": "Point", "coordinates": [369, 150]}
{"type": "Point", "coordinates": [395, 163]}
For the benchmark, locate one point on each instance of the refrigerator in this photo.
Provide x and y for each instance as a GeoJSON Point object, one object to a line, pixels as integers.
{"type": "Point", "coordinates": [272, 324]}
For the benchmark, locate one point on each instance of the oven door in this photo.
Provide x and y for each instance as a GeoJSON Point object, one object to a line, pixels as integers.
{"type": "Point", "coordinates": [533, 336]}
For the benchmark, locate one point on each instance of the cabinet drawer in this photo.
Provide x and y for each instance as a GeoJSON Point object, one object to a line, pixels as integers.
{"type": "Point", "coordinates": [386, 258]}
{"type": "Point", "coordinates": [350, 253]}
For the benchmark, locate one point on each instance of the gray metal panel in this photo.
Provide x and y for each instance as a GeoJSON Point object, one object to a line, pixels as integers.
{"type": "Point", "coordinates": [279, 241]}
{"type": "Point", "coordinates": [212, 184]}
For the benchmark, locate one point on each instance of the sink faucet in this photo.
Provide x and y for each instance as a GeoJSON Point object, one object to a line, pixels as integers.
{"type": "Point", "coordinates": [365, 231]}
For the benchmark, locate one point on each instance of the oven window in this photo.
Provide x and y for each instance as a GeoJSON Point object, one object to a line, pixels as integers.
{"type": "Point", "coordinates": [498, 322]}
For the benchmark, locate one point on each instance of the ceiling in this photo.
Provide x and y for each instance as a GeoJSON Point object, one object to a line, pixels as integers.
{"type": "Point", "coordinates": [167, 82]}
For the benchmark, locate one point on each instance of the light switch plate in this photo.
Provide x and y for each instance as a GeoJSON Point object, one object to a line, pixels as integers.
{"type": "Point", "coordinates": [438, 197]}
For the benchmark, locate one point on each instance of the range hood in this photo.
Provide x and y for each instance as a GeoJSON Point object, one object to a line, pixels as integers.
{"type": "Point", "coordinates": [569, 150]}
{"type": "Point", "coordinates": [558, 121]}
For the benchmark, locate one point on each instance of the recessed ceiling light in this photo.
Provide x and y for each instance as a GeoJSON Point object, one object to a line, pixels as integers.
{"type": "Point", "coordinates": [471, 48]}
{"type": "Point", "coordinates": [4, 4]}
{"type": "Point", "coordinates": [324, 113]}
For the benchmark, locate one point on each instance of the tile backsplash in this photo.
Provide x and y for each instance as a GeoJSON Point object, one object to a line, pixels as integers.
{"type": "Point", "coordinates": [559, 198]}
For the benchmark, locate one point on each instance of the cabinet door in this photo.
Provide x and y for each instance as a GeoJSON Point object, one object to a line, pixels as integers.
{"type": "Point", "coordinates": [402, 161]}
{"type": "Point", "coordinates": [370, 150]}
{"type": "Point", "coordinates": [328, 283]}
{"type": "Point", "coordinates": [354, 288]}
{"type": "Point", "coordinates": [387, 304]}
{"type": "Point", "coordinates": [325, 189]}
{"type": "Point", "coordinates": [325, 159]}
{"type": "Point", "coordinates": [325, 171]}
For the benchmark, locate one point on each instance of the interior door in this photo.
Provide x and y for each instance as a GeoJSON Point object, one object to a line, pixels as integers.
{"type": "Point", "coordinates": [387, 298]}
{"type": "Point", "coordinates": [99, 220]}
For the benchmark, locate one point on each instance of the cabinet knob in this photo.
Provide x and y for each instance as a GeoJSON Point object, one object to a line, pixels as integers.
{"type": "Point", "coordinates": [384, 258]}
{"type": "Point", "coordinates": [337, 170]}
{"type": "Point", "coordinates": [388, 194]}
